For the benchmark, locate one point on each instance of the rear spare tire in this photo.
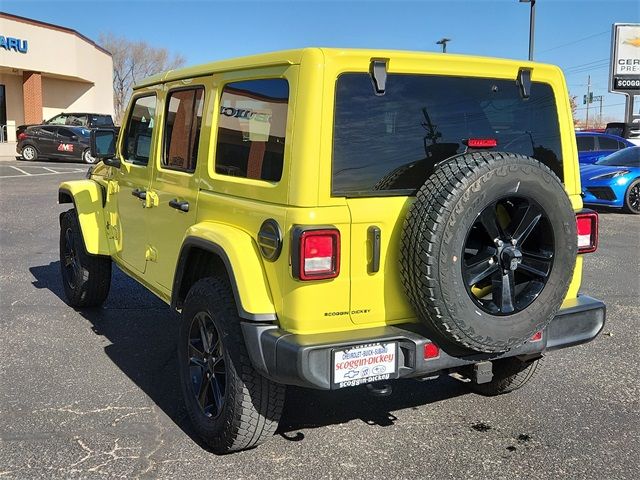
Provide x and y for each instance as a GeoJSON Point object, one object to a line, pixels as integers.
{"type": "Point", "coordinates": [488, 251]}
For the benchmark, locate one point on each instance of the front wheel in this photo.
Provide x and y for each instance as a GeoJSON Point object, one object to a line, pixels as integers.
{"type": "Point", "coordinates": [87, 158]}
{"type": "Point", "coordinates": [29, 153]}
{"type": "Point", "coordinates": [86, 278]}
{"type": "Point", "coordinates": [231, 406]}
{"type": "Point", "coordinates": [632, 198]}
{"type": "Point", "coordinates": [509, 374]}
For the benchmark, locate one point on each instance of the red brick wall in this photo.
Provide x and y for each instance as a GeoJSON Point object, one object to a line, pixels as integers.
{"type": "Point", "coordinates": [32, 97]}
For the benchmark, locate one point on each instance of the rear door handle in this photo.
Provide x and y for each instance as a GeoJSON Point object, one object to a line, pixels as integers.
{"type": "Point", "coordinates": [141, 194]}
{"type": "Point", "coordinates": [182, 206]}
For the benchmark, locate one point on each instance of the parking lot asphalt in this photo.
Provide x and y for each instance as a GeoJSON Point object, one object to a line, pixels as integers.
{"type": "Point", "coordinates": [94, 394]}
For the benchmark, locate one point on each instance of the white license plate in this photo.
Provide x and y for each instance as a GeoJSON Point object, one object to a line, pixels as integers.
{"type": "Point", "coordinates": [364, 364]}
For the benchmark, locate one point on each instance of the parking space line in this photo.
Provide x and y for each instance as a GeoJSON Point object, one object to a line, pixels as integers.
{"type": "Point", "coordinates": [38, 174]}
{"type": "Point", "coordinates": [20, 170]}
{"type": "Point", "coordinates": [51, 170]}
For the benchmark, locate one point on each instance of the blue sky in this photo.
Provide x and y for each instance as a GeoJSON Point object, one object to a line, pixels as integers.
{"type": "Point", "coordinates": [572, 34]}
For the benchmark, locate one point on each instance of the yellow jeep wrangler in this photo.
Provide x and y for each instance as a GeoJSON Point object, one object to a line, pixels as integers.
{"type": "Point", "coordinates": [330, 218]}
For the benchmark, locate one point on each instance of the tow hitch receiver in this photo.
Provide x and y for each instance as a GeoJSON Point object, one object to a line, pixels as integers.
{"type": "Point", "coordinates": [483, 372]}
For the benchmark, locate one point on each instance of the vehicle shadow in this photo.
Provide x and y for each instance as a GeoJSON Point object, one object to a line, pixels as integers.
{"type": "Point", "coordinates": [142, 330]}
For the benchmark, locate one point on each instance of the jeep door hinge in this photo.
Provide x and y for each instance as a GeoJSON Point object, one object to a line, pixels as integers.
{"type": "Point", "coordinates": [113, 188]}
{"type": "Point", "coordinates": [150, 254]}
{"type": "Point", "coordinates": [151, 199]}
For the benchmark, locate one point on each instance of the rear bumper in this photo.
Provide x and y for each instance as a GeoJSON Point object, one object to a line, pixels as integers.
{"type": "Point", "coordinates": [306, 360]}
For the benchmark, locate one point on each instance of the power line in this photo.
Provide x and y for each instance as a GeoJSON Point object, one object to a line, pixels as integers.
{"type": "Point", "coordinates": [574, 42]}
{"type": "Point", "coordinates": [604, 106]}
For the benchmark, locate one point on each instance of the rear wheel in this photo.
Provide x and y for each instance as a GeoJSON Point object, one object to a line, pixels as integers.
{"type": "Point", "coordinates": [632, 198]}
{"type": "Point", "coordinates": [29, 153]}
{"type": "Point", "coordinates": [231, 406]}
{"type": "Point", "coordinates": [86, 278]}
{"type": "Point", "coordinates": [509, 374]}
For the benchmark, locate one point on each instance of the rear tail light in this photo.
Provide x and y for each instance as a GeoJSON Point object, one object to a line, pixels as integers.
{"type": "Point", "coordinates": [431, 351]}
{"type": "Point", "coordinates": [587, 226]}
{"type": "Point", "coordinates": [316, 254]}
{"type": "Point", "coordinates": [481, 142]}
{"type": "Point", "coordinates": [536, 337]}
{"type": "Point", "coordinates": [22, 136]}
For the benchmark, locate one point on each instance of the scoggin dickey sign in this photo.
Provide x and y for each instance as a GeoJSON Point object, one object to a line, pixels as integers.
{"type": "Point", "coordinates": [625, 58]}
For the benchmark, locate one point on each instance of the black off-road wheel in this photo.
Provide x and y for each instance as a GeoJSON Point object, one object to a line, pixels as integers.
{"type": "Point", "coordinates": [632, 198]}
{"type": "Point", "coordinates": [86, 278]}
{"type": "Point", "coordinates": [488, 251]}
{"type": "Point", "coordinates": [231, 406]}
{"type": "Point", "coordinates": [509, 374]}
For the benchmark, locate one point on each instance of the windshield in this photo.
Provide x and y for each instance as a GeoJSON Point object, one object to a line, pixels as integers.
{"type": "Point", "coordinates": [58, 120]}
{"type": "Point", "coordinates": [390, 144]}
{"type": "Point", "coordinates": [627, 157]}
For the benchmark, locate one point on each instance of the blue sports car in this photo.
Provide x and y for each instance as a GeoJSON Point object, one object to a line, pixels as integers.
{"type": "Point", "coordinates": [613, 181]}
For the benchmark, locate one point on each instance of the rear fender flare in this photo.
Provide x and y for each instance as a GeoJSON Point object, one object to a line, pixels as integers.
{"type": "Point", "coordinates": [239, 254]}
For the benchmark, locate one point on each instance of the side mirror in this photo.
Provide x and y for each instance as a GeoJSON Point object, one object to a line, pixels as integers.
{"type": "Point", "coordinates": [103, 146]}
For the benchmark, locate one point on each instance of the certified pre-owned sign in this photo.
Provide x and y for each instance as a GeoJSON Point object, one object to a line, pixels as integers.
{"type": "Point", "coordinates": [625, 58]}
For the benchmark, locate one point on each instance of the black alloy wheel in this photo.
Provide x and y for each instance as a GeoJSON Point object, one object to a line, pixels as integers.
{"type": "Point", "coordinates": [508, 255]}
{"type": "Point", "coordinates": [632, 199]}
{"type": "Point", "coordinates": [71, 263]}
{"type": "Point", "coordinates": [207, 365]}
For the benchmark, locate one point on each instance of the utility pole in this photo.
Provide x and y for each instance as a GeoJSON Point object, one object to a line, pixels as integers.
{"type": "Point", "coordinates": [443, 42]}
{"type": "Point", "coordinates": [599, 98]}
{"type": "Point", "coordinates": [588, 100]}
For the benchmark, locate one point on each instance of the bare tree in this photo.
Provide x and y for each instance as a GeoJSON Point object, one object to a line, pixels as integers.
{"type": "Point", "coordinates": [132, 62]}
{"type": "Point", "coordinates": [574, 108]}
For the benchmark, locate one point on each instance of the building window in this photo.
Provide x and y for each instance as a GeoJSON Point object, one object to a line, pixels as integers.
{"type": "Point", "coordinates": [137, 139]}
{"type": "Point", "coordinates": [251, 129]}
{"type": "Point", "coordinates": [182, 129]}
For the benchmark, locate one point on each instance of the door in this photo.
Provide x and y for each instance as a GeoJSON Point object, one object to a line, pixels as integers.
{"type": "Point", "coordinates": [587, 148]}
{"type": "Point", "coordinates": [69, 145]}
{"type": "Point", "coordinates": [128, 223]}
{"type": "Point", "coordinates": [174, 182]}
{"type": "Point", "coordinates": [47, 140]}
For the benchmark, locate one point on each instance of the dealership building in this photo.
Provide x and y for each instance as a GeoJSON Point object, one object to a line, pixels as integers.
{"type": "Point", "coordinates": [46, 69]}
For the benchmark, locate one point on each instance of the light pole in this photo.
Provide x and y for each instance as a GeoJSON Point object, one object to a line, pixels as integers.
{"type": "Point", "coordinates": [532, 25]}
{"type": "Point", "coordinates": [443, 42]}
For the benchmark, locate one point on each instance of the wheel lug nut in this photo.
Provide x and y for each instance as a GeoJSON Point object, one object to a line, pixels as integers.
{"type": "Point", "coordinates": [499, 242]}
{"type": "Point", "coordinates": [514, 241]}
{"type": "Point", "coordinates": [491, 261]}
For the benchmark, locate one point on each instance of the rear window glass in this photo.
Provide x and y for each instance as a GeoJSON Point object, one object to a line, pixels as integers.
{"type": "Point", "coordinates": [251, 129]}
{"type": "Point", "coordinates": [389, 144]}
{"type": "Point", "coordinates": [586, 144]}
{"type": "Point", "coordinates": [607, 143]}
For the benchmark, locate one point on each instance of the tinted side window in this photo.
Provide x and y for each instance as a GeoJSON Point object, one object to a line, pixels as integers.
{"type": "Point", "coordinates": [101, 121]}
{"type": "Point", "coordinates": [585, 144]}
{"type": "Point", "coordinates": [66, 133]}
{"type": "Point", "coordinates": [251, 129]}
{"type": "Point", "coordinates": [182, 129]}
{"type": "Point", "coordinates": [621, 145]}
{"type": "Point", "coordinates": [137, 140]}
{"type": "Point", "coordinates": [607, 143]}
